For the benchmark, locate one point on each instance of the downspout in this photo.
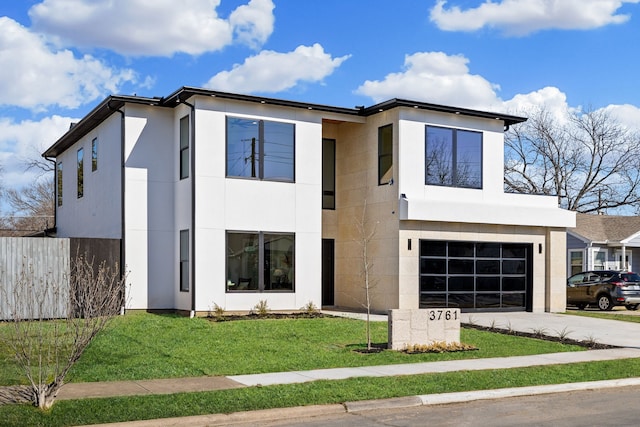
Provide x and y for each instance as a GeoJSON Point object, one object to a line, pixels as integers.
{"type": "Point", "coordinates": [192, 164]}
{"type": "Point", "coordinates": [122, 200]}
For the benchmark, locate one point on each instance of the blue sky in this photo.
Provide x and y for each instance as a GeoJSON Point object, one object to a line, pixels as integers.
{"type": "Point", "coordinates": [59, 58]}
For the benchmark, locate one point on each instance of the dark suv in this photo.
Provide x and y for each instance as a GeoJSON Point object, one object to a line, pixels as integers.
{"type": "Point", "coordinates": [605, 289]}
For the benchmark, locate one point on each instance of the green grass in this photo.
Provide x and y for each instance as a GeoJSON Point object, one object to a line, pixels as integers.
{"type": "Point", "coordinates": [93, 411]}
{"type": "Point", "coordinates": [146, 346]}
{"type": "Point", "coordinates": [611, 315]}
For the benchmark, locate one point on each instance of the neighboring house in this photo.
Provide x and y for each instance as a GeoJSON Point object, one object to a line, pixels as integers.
{"type": "Point", "coordinates": [228, 199]}
{"type": "Point", "coordinates": [603, 242]}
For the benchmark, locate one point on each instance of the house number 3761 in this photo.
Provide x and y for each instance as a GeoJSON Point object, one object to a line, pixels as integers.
{"type": "Point", "coordinates": [443, 314]}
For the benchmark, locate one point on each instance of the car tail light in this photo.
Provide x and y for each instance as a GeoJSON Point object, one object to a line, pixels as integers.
{"type": "Point", "coordinates": [619, 283]}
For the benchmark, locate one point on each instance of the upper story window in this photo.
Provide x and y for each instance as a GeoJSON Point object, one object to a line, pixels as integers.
{"type": "Point", "coordinates": [80, 173]}
{"type": "Point", "coordinates": [453, 157]}
{"type": "Point", "coordinates": [184, 147]}
{"type": "Point", "coordinates": [260, 149]}
{"type": "Point", "coordinates": [385, 154]}
{"type": "Point", "coordinates": [94, 155]}
{"type": "Point", "coordinates": [328, 173]}
{"type": "Point", "coordinates": [59, 182]}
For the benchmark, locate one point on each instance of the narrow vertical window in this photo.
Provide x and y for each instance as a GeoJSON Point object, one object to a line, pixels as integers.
{"type": "Point", "coordinates": [80, 173]}
{"type": "Point", "coordinates": [328, 174]}
{"type": "Point", "coordinates": [184, 260]}
{"type": "Point", "coordinates": [59, 182]}
{"type": "Point", "coordinates": [184, 147]}
{"type": "Point", "coordinates": [385, 154]}
{"type": "Point", "coordinates": [94, 155]}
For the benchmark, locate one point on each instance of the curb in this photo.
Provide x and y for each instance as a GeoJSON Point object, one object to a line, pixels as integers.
{"type": "Point", "coordinates": [367, 405]}
{"type": "Point", "coordinates": [500, 393]}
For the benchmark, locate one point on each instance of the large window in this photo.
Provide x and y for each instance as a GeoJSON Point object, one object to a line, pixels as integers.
{"type": "Point", "coordinates": [184, 261]}
{"type": "Point", "coordinates": [184, 147]}
{"type": "Point", "coordinates": [260, 149]}
{"type": "Point", "coordinates": [453, 157]}
{"type": "Point", "coordinates": [475, 275]}
{"type": "Point", "coordinates": [258, 262]}
{"type": "Point", "coordinates": [80, 173]}
{"type": "Point", "coordinates": [385, 154]}
{"type": "Point", "coordinates": [94, 155]}
{"type": "Point", "coordinates": [59, 183]}
{"type": "Point", "coordinates": [328, 174]}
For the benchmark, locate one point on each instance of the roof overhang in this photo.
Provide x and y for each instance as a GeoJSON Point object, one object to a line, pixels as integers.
{"type": "Point", "coordinates": [114, 102]}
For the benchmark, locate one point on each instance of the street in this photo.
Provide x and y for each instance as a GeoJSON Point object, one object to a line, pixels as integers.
{"type": "Point", "coordinates": [608, 407]}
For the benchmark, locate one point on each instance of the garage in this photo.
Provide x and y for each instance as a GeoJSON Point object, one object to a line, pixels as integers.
{"type": "Point", "coordinates": [476, 276]}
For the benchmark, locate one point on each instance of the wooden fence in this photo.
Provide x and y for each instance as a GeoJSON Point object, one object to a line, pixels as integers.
{"type": "Point", "coordinates": [37, 269]}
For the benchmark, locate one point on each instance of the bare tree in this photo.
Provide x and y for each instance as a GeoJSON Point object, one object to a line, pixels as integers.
{"type": "Point", "coordinates": [31, 209]}
{"type": "Point", "coordinates": [366, 233]}
{"type": "Point", "coordinates": [589, 161]}
{"type": "Point", "coordinates": [52, 320]}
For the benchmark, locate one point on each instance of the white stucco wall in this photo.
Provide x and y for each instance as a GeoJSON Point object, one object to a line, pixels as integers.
{"type": "Point", "coordinates": [149, 199]}
{"type": "Point", "coordinates": [97, 213]}
{"type": "Point", "coordinates": [488, 205]}
{"type": "Point", "coordinates": [235, 204]}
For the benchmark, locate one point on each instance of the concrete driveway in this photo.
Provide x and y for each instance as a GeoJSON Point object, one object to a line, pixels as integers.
{"type": "Point", "coordinates": [602, 331]}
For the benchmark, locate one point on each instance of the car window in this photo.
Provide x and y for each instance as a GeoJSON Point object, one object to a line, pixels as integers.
{"type": "Point", "coordinates": [593, 278]}
{"type": "Point", "coordinates": [575, 279]}
{"type": "Point", "coordinates": [630, 277]}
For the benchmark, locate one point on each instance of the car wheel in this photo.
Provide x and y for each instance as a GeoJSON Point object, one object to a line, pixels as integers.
{"type": "Point", "coordinates": [632, 307]}
{"type": "Point", "coordinates": [581, 306]}
{"type": "Point", "coordinates": [604, 302]}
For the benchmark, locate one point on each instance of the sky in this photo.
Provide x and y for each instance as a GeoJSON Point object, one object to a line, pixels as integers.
{"type": "Point", "coordinates": [60, 58]}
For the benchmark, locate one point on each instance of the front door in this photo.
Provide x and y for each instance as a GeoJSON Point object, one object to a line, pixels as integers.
{"type": "Point", "coordinates": [328, 271]}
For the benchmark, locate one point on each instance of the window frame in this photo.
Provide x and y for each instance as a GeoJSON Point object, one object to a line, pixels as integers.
{"type": "Point", "coordinates": [261, 264]}
{"type": "Point", "coordinates": [454, 163]}
{"type": "Point", "coordinates": [80, 172]}
{"type": "Point", "coordinates": [260, 150]}
{"type": "Point", "coordinates": [384, 131]}
{"type": "Point", "coordinates": [59, 183]}
{"type": "Point", "coordinates": [94, 154]}
{"type": "Point", "coordinates": [184, 134]}
{"type": "Point", "coordinates": [328, 171]}
{"type": "Point", "coordinates": [184, 277]}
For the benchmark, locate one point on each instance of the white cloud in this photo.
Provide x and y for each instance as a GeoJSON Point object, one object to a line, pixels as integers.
{"type": "Point", "coordinates": [521, 17]}
{"type": "Point", "coordinates": [437, 78]}
{"type": "Point", "coordinates": [21, 141]}
{"type": "Point", "coordinates": [271, 71]}
{"type": "Point", "coordinates": [253, 23]}
{"type": "Point", "coordinates": [626, 114]}
{"type": "Point", "coordinates": [43, 77]}
{"type": "Point", "coordinates": [152, 28]}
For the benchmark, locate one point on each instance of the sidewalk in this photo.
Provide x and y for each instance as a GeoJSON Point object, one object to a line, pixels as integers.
{"type": "Point", "coordinates": [182, 385]}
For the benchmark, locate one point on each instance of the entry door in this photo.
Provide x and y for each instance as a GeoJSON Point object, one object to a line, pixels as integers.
{"type": "Point", "coordinates": [328, 272]}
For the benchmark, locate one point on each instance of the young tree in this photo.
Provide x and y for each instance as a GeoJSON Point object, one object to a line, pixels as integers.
{"type": "Point", "coordinates": [52, 320]}
{"type": "Point", "coordinates": [587, 159]}
{"type": "Point", "coordinates": [366, 233]}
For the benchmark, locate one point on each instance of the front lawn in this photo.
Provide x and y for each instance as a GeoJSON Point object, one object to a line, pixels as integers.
{"type": "Point", "coordinates": [147, 346]}
{"type": "Point", "coordinates": [611, 315]}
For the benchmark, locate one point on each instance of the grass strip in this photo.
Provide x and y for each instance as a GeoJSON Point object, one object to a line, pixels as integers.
{"type": "Point", "coordinates": [605, 315]}
{"type": "Point", "coordinates": [93, 411]}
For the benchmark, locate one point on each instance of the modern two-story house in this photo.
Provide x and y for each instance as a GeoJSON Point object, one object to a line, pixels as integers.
{"type": "Point", "coordinates": [227, 199]}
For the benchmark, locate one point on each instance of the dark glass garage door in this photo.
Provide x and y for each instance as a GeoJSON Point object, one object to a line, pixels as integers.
{"type": "Point", "coordinates": [475, 275]}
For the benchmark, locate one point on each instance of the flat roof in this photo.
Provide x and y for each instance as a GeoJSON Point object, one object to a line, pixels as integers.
{"type": "Point", "coordinates": [112, 103]}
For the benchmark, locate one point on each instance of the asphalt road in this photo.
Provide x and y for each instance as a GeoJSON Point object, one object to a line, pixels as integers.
{"type": "Point", "coordinates": [610, 407]}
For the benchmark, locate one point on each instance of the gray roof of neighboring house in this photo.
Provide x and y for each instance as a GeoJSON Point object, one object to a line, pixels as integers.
{"type": "Point", "coordinates": [606, 228]}
{"type": "Point", "coordinates": [112, 103]}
